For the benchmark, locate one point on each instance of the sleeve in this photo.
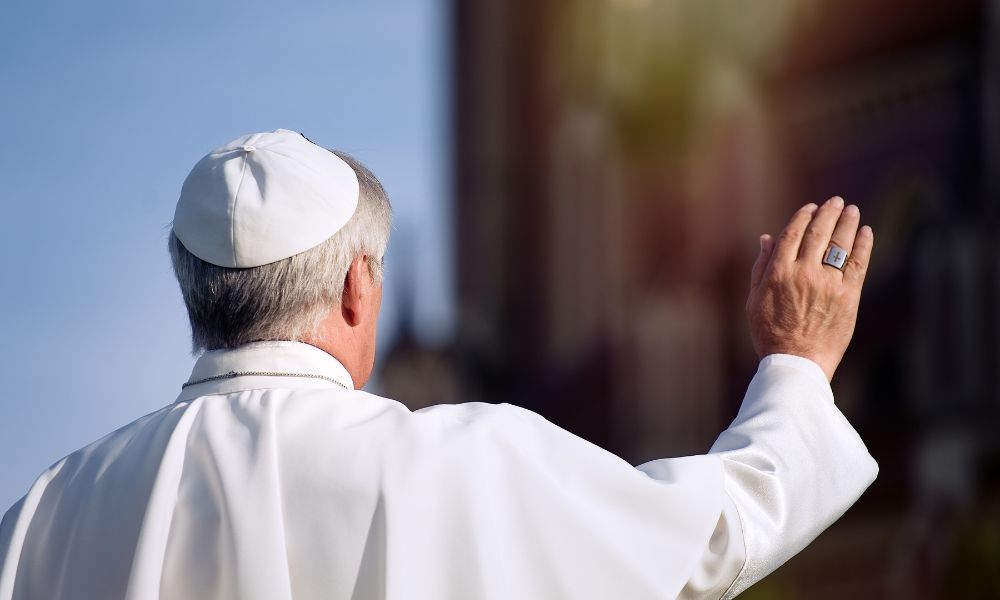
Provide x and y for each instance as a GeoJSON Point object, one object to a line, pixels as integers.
{"type": "Point", "coordinates": [792, 466]}
{"type": "Point", "coordinates": [541, 513]}
{"type": "Point", "coordinates": [569, 519]}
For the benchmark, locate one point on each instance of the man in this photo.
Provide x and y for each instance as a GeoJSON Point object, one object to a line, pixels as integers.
{"type": "Point", "coordinates": [271, 477]}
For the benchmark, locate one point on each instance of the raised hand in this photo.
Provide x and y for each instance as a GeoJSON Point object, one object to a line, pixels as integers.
{"type": "Point", "coordinates": [799, 305]}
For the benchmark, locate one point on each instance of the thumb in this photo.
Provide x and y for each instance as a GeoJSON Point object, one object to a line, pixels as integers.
{"type": "Point", "coordinates": [766, 246]}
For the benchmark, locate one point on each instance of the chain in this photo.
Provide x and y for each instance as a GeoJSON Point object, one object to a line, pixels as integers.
{"type": "Point", "coordinates": [233, 374]}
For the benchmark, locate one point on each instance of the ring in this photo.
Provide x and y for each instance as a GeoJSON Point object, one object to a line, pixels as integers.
{"type": "Point", "coordinates": [835, 257]}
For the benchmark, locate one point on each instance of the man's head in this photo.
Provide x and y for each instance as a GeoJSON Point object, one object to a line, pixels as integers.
{"type": "Point", "coordinates": [328, 295]}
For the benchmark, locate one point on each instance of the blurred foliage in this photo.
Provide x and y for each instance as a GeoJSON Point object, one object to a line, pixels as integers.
{"type": "Point", "coordinates": [645, 61]}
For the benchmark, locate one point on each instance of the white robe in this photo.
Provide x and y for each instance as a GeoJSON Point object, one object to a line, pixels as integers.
{"type": "Point", "coordinates": [272, 488]}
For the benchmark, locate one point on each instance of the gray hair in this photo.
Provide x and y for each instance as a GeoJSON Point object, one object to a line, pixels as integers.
{"type": "Point", "coordinates": [287, 299]}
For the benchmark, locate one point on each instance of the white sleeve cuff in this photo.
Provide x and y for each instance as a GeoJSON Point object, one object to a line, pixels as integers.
{"type": "Point", "coordinates": [801, 364]}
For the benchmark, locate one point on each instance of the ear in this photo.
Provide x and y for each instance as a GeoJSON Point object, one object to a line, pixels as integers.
{"type": "Point", "coordinates": [355, 303]}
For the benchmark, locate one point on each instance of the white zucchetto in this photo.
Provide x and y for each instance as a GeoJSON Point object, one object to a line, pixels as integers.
{"type": "Point", "coordinates": [262, 198]}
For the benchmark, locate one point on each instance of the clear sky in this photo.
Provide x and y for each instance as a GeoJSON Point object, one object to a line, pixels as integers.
{"type": "Point", "coordinates": [106, 105]}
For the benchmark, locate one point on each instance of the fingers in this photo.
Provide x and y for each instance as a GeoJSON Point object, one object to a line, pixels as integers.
{"type": "Point", "coordinates": [786, 249]}
{"type": "Point", "coordinates": [809, 234]}
{"type": "Point", "coordinates": [816, 238]}
{"type": "Point", "coordinates": [846, 229]}
{"type": "Point", "coordinates": [857, 263]}
{"type": "Point", "coordinates": [766, 246]}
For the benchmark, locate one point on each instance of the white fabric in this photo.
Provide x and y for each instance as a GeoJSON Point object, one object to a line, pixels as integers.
{"type": "Point", "coordinates": [275, 488]}
{"type": "Point", "coordinates": [264, 197]}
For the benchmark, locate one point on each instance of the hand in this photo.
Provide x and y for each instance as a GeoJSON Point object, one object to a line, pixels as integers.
{"type": "Point", "coordinates": [797, 304]}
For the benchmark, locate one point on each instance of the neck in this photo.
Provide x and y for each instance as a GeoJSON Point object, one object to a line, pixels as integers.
{"type": "Point", "coordinates": [345, 350]}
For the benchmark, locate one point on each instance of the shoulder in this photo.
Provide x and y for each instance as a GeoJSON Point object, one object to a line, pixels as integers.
{"type": "Point", "coordinates": [478, 413]}
{"type": "Point", "coordinates": [479, 421]}
{"type": "Point", "coordinates": [508, 434]}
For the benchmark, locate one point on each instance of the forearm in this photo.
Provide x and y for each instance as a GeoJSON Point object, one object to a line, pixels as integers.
{"type": "Point", "coordinates": [792, 462]}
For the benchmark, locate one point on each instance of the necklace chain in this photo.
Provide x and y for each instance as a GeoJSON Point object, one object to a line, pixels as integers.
{"type": "Point", "coordinates": [234, 374]}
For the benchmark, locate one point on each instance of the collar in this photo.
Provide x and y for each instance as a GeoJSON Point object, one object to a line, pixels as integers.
{"type": "Point", "coordinates": [265, 357]}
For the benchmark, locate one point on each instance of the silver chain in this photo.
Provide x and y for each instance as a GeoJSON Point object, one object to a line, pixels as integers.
{"type": "Point", "coordinates": [233, 374]}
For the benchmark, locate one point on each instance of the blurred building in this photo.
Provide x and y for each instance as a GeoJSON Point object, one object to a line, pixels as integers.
{"type": "Point", "coordinates": [614, 164]}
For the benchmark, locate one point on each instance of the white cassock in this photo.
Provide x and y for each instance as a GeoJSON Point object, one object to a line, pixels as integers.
{"type": "Point", "coordinates": [277, 487]}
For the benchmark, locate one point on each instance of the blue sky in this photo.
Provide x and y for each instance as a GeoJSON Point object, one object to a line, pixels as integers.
{"type": "Point", "coordinates": [106, 107]}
